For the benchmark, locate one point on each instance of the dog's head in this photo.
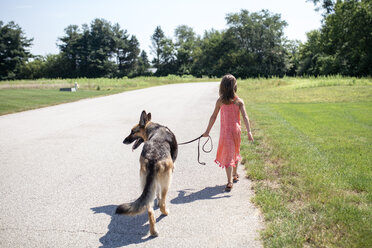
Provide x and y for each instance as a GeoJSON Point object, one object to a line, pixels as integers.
{"type": "Point", "coordinates": [138, 132]}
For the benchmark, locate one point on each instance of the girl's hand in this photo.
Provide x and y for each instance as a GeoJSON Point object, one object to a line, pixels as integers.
{"type": "Point", "coordinates": [250, 136]}
{"type": "Point", "coordinates": [206, 134]}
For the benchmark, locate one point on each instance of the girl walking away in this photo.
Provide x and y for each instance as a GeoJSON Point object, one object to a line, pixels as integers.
{"type": "Point", "coordinates": [228, 152]}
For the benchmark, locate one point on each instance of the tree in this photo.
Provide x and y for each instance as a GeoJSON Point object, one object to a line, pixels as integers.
{"type": "Point", "coordinates": [309, 53]}
{"type": "Point", "coordinates": [292, 47]}
{"type": "Point", "coordinates": [164, 52]}
{"type": "Point", "coordinates": [57, 66]}
{"type": "Point", "coordinates": [167, 58]}
{"type": "Point", "coordinates": [131, 56]}
{"type": "Point", "coordinates": [207, 55]}
{"type": "Point", "coordinates": [101, 44]}
{"type": "Point", "coordinates": [185, 46]}
{"type": "Point", "coordinates": [347, 37]}
{"type": "Point", "coordinates": [120, 39]}
{"type": "Point", "coordinates": [33, 69]}
{"type": "Point", "coordinates": [126, 51]}
{"type": "Point", "coordinates": [156, 48]}
{"type": "Point", "coordinates": [84, 52]}
{"type": "Point", "coordinates": [143, 65]}
{"type": "Point", "coordinates": [99, 50]}
{"type": "Point", "coordinates": [343, 44]}
{"type": "Point", "coordinates": [258, 41]}
{"type": "Point", "coordinates": [326, 5]}
{"type": "Point", "coordinates": [72, 50]}
{"type": "Point", "coordinates": [13, 50]}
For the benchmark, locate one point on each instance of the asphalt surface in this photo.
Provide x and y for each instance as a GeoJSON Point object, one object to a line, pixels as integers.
{"type": "Point", "coordinates": [64, 170]}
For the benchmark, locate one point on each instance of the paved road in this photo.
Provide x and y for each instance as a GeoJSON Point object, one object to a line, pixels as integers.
{"type": "Point", "coordinates": [64, 169]}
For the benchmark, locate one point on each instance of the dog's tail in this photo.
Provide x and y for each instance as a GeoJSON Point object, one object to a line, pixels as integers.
{"type": "Point", "coordinates": [148, 194]}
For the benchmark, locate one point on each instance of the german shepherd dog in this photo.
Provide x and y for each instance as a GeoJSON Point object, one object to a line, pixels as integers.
{"type": "Point", "coordinates": [157, 164]}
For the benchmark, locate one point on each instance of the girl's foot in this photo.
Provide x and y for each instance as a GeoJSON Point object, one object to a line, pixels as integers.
{"type": "Point", "coordinates": [228, 187]}
{"type": "Point", "coordinates": [236, 178]}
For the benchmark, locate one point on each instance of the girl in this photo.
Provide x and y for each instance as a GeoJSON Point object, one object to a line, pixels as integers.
{"type": "Point", "coordinates": [228, 152]}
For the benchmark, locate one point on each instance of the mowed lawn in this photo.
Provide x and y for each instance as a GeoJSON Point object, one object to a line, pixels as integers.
{"type": "Point", "coordinates": [21, 95]}
{"type": "Point", "coordinates": [16, 100]}
{"type": "Point", "coordinates": [311, 161]}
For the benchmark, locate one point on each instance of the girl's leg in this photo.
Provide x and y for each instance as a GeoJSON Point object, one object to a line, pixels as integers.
{"type": "Point", "coordinates": [229, 174]}
{"type": "Point", "coordinates": [235, 170]}
{"type": "Point", "coordinates": [235, 173]}
{"type": "Point", "coordinates": [229, 178]}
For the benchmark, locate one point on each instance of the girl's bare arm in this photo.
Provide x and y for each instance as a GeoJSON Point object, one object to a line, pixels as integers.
{"type": "Point", "coordinates": [213, 118]}
{"type": "Point", "coordinates": [245, 119]}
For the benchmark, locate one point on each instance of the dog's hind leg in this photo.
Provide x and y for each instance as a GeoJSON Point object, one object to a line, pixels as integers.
{"type": "Point", "coordinates": [142, 179]}
{"type": "Point", "coordinates": [158, 190]}
{"type": "Point", "coordinates": [164, 183]}
{"type": "Point", "coordinates": [151, 213]}
{"type": "Point", "coordinates": [143, 172]}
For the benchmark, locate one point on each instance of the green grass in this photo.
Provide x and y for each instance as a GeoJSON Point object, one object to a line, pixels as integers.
{"type": "Point", "coordinates": [16, 100]}
{"type": "Point", "coordinates": [311, 161]}
{"type": "Point", "coordinates": [102, 83]}
{"type": "Point", "coordinates": [21, 95]}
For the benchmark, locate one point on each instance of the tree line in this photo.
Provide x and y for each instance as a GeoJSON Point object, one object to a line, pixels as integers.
{"type": "Point", "coordinates": [252, 45]}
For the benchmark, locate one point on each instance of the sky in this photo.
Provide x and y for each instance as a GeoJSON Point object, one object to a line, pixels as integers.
{"type": "Point", "coordinates": [45, 20]}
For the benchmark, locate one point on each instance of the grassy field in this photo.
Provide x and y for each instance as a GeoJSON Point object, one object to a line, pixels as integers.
{"type": "Point", "coordinates": [311, 162]}
{"type": "Point", "coordinates": [20, 95]}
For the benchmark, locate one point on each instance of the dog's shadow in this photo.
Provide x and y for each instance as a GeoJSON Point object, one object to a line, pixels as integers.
{"type": "Point", "coordinates": [209, 193]}
{"type": "Point", "coordinates": [124, 230]}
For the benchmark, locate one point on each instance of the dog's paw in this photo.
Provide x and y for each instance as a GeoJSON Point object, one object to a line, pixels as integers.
{"type": "Point", "coordinates": [154, 234]}
{"type": "Point", "coordinates": [164, 211]}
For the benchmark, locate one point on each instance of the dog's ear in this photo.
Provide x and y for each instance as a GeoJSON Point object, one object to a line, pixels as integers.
{"type": "Point", "coordinates": [143, 119]}
{"type": "Point", "coordinates": [149, 117]}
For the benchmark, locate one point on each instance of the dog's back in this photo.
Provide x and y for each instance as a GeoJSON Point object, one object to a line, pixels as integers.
{"type": "Point", "coordinates": [161, 143]}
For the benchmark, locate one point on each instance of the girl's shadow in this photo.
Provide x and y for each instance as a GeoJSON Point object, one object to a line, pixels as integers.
{"type": "Point", "coordinates": [209, 193]}
{"type": "Point", "coordinates": [124, 230]}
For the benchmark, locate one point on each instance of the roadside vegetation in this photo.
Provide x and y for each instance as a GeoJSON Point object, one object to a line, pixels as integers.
{"type": "Point", "coordinates": [21, 95]}
{"type": "Point", "coordinates": [311, 159]}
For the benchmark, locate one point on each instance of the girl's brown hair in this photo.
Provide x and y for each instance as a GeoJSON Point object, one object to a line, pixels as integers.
{"type": "Point", "coordinates": [228, 88]}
